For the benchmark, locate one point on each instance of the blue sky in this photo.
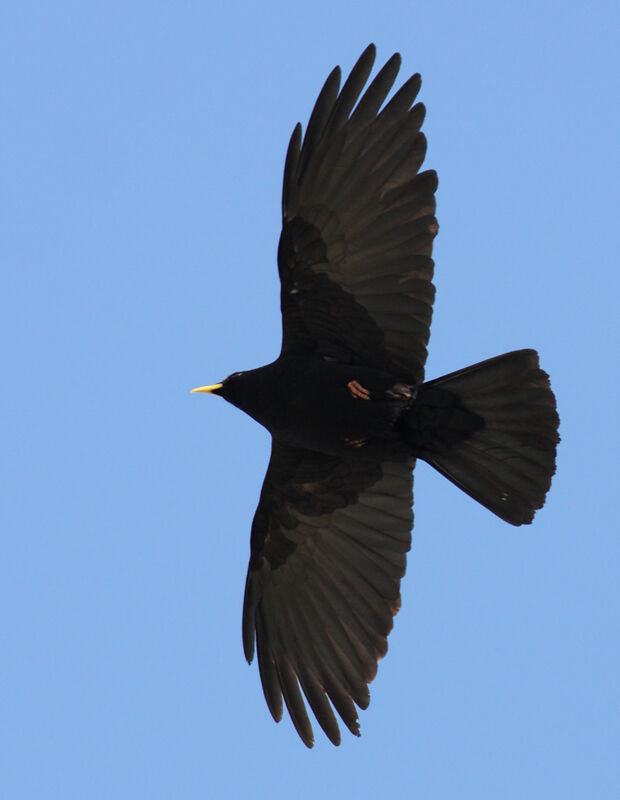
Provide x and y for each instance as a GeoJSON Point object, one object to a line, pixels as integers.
{"type": "Point", "coordinates": [142, 153]}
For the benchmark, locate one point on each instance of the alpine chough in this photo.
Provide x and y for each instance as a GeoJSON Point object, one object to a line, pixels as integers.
{"type": "Point", "coordinates": [349, 411]}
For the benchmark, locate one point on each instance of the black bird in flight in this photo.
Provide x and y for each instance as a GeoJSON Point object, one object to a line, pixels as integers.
{"type": "Point", "coordinates": [349, 411]}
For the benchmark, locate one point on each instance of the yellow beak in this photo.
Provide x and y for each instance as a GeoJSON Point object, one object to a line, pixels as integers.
{"type": "Point", "coordinates": [208, 389]}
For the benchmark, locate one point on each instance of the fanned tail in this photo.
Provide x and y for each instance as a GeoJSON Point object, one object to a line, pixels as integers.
{"type": "Point", "coordinates": [497, 439]}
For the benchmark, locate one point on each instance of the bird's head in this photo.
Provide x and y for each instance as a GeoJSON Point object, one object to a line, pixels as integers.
{"type": "Point", "coordinates": [224, 389]}
{"type": "Point", "coordinates": [251, 391]}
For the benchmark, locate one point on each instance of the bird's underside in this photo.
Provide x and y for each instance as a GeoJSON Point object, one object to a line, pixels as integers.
{"type": "Point", "coordinates": [348, 408]}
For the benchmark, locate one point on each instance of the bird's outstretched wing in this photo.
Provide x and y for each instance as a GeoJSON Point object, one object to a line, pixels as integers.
{"type": "Point", "coordinates": [358, 226]}
{"type": "Point", "coordinates": [328, 550]}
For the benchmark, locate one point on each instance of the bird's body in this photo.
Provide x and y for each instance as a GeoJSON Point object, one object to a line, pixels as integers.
{"type": "Point", "coordinates": [349, 410]}
{"type": "Point", "coordinates": [313, 403]}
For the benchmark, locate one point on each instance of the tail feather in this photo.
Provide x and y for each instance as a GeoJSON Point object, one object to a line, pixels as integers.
{"type": "Point", "coordinates": [507, 462]}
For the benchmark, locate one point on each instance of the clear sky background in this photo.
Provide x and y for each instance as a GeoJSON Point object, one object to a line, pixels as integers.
{"type": "Point", "coordinates": [142, 147]}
